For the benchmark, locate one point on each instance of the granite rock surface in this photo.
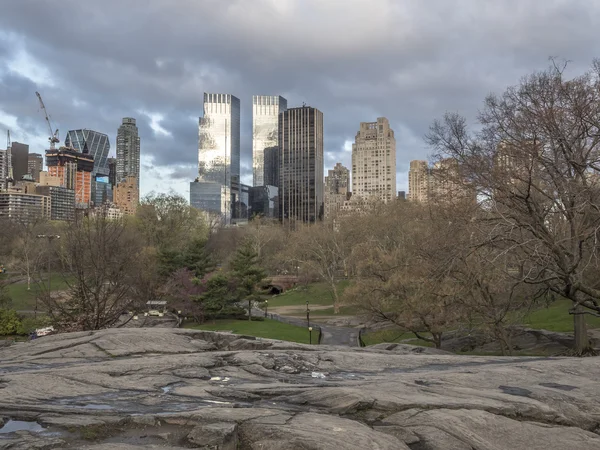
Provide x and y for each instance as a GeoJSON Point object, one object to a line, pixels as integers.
{"type": "Point", "coordinates": [174, 389]}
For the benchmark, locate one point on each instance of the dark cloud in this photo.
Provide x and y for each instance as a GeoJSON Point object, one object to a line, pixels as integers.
{"type": "Point", "coordinates": [355, 60]}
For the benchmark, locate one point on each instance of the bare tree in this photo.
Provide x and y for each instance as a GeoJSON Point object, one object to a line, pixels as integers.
{"type": "Point", "coordinates": [535, 164]}
{"type": "Point", "coordinates": [322, 249]}
{"type": "Point", "coordinates": [103, 260]}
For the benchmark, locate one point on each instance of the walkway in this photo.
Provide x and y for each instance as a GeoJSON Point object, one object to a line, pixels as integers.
{"type": "Point", "coordinates": [331, 335]}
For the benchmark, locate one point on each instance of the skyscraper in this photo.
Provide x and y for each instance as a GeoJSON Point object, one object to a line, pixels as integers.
{"type": "Point", "coordinates": [219, 139]}
{"type": "Point", "coordinates": [374, 161]}
{"type": "Point", "coordinates": [35, 164]}
{"type": "Point", "coordinates": [95, 144]}
{"type": "Point", "coordinates": [418, 181]}
{"type": "Point", "coordinates": [128, 151]}
{"type": "Point", "coordinates": [337, 183]}
{"type": "Point", "coordinates": [301, 165]}
{"type": "Point", "coordinates": [265, 134]}
{"type": "Point", "coordinates": [4, 165]}
{"type": "Point", "coordinates": [218, 152]}
{"type": "Point", "coordinates": [126, 195]}
{"type": "Point", "coordinates": [19, 157]}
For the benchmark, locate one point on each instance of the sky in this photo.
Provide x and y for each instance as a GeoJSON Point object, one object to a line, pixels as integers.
{"type": "Point", "coordinates": [355, 60]}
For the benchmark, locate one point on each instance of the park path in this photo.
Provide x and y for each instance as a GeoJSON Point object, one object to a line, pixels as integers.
{"type": "Point", "coordinates": [331, 335]}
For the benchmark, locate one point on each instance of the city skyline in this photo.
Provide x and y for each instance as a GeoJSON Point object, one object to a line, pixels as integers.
{"type": "Point", "coordinates": [408, 64]}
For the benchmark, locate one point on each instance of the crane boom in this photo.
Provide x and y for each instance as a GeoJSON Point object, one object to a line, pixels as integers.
{"type": "Point", "coordinates": [53, 138]}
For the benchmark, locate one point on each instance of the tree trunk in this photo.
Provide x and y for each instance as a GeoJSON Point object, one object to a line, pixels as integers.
{"type": "Point", "coordinates": [437, 339]}
{"type": "Point", "coordinates": [336, 298]}
{"type": "Point", "coordinates": [249, 309]}
{"type": "Point", "coordinates": [582, 343]}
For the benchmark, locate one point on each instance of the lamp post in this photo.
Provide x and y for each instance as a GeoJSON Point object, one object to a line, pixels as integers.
{"type": "Point", "coordinates": [50, 238]}
{"type": "Point", "coordinates": [307, 314]}
{"type": "Point", "coordinates": [266, 307]}
{"type": "Point", "coordinates": [310, 335]}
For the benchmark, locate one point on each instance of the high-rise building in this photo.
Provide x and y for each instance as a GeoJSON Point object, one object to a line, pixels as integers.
{"type": "Point", "coordinates": [93, 143]}
{"type": "Point", "coordinates": [265, 134]}
{"type": "Point", "coordinates": [128, 151]}
{"type": "Point", "coordinates": [374, 161]}
{"type": "Point", "coordinates": [102, 192]}
{"type": "Point", "coordinates": [219, 139]}
{"type": "Point", "coordinates": [35, 164]}
{"type": "Point", "coordinates": [19, 160]}
{"type": "Point", "coordinates": [218, 151]}
{"type": "Point", "coordinates": [419, 181]}
{"type": "Point", "coordinates": [337, 183]}
{"type": "Point", "coordinates": [271, 162]}
{"type": "Point", "coordinates": [23, 207]}
{"type": "Point", "coordinates": [62, 201]}
{"type": "Point", "coordinates": [126, 195]}
{"type": "Point", "coordinates": [301, 165]}
{"type": "Point", "coordinates": [74, 169]}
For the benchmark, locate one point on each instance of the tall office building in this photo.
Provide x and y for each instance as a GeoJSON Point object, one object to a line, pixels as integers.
{"type": "Point", "coordinates": [128, 151]}
{"type": "Point", "coordinates": [62, 201]}
{"type": "Point", "coordinates": [35, 164]}
{"type": "Point", "coordinates": [19, 160]}
{"type": "Point", "coordinates": [301, 165]}
{"type": "Point", "coordinates": [265, 134]}
{"type": "Point", "coordinates": [93, 143]}
{"type": "Point", "coordinates": [219, 139]}
{"type": "Point", "coordinates": [374, 161]}
{"type": "Point", "coordinates": [336, 193]}
{"type": "Point", "coordinates": [218, 152]}
{"type": "Point", "coordinates": [418, 181]}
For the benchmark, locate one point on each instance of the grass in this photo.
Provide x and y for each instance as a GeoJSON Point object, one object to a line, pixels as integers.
{"type": "Point", "coordinates": [378, 337]}
{"type": "Point", "coordinates": [270, 329]}
{"type": "Point", "coordinates": [316, 294]}
{"type": "Point", "coordinates": [556, 317]}
{"type": "Point", "coordinates": [23, 299]}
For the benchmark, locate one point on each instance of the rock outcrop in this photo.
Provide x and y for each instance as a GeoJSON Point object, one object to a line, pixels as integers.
{"type": "Point", "coordinates": [175, 389]}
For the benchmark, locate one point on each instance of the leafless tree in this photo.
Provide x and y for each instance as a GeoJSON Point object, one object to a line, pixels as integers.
{"type": "Point", "coordinates": [535, 163]}
{"type": "Point", "coordinates": [103, 260]}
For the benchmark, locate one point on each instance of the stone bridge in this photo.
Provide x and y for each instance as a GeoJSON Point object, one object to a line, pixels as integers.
{"type": "Point", "coordinates": [280, 283]}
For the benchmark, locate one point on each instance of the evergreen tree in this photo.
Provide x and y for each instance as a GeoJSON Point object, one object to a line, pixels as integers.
{"type": "Point", "coordinates": [247, 274]}
{"type": "Point", "coordinates": [219, 298]}
{"type": "Point", "coordinates": [196, 258]}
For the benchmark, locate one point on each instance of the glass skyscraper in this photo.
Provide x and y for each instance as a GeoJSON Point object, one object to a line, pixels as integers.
{"type": "Point", "coordinates": [128, 151]}
{"type": "Point", "coordinates": [93, 143]}
{"type": "Point", "coordinates": [219, 139]}
{"type": "Point", "coordinates": [265, 134]}
{"type": "Point", "coordinates": [218, 153]}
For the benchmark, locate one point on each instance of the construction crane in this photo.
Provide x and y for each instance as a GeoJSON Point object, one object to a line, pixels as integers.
{"type": "Point", "coordinates": [7, 139]}
{"type": "Point", "coordinates": [53, 136]}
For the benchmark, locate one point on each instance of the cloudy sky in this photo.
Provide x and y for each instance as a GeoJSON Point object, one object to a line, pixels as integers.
{"type": "Point", "coordinates": [95, 62]}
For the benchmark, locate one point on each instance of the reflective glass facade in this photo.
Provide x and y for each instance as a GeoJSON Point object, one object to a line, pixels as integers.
{"type": "Point", "coordinates": [212, 198]}
{"type": "Point", "coordinates": [101, 192]}
{"type": "Point", "coordinates": [128, 151]}
{"type": "Point", "coordinates": [301, 165]}
{"type": "Point", "coordinates": [265, 134]}
{"type": "Point", "coordinates": [94, 143]}
{"type": "Point", "coordinates": [219, 140]}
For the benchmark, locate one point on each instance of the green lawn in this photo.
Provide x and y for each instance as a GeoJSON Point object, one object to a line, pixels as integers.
{"type": "Point", "coordinates": [344, 311]}
{"type": "Point", "coordinates": [377, 337]}
{"type": "Point", "coordinates": [556, 317]}
{"type": "Point", "coordinates": [270, 329]}
{"type": "Point", "coordinates": [316, 294]}
{"type": "Point", "coordinates": [22, 299]}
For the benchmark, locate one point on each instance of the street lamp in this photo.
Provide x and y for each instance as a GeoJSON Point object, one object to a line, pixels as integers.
{"type": "Point", "coordinates": [310, 335]}
{"type": "Point", "coordinates": [50, 238]}
{"type": "Point", "coordinates": [307, 314]}
{"type": "Point", "coordinates": [266, 307]}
